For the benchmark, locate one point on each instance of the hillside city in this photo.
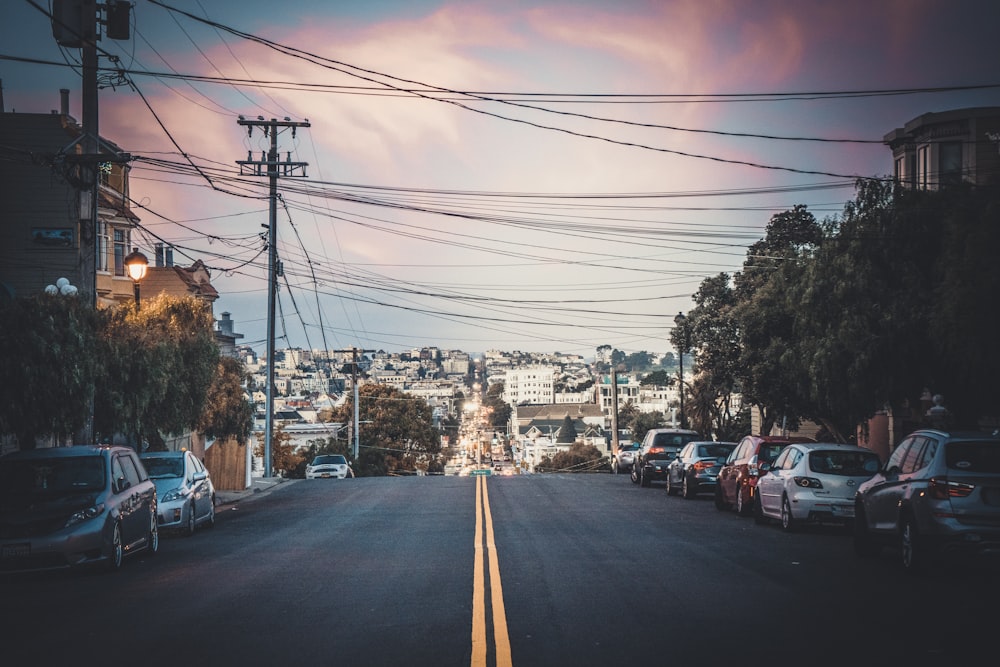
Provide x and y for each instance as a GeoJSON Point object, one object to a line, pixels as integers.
{"type": "Point", "coordinates": [542, 389]}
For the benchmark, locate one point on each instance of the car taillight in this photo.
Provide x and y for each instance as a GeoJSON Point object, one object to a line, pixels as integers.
{"type": "Point", "coordinates": [703, 465]}
{"type": "Point", "coordinates": [941, 489]}
{"type": "Point", "coordinates": [656, 450]}
{"type": "Point", "coordinates": [808, 482]}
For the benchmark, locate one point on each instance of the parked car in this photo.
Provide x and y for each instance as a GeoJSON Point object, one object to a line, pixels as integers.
{"type": "Point", "coordinates": [939, 493]}
{"type": "Point", "coordinates": [737, 484]}
{"type": "Point", "coordinates": [658, 448]}
{"type": "Point", "coordinates": [813, 483]}
{"type": "Point", "coordinates": [184, 490]}
{"type": "Point", "coordinates": [329, 465]}
{"type": "Point", "coordinates": [696, 468]}
{"type": "Point", "coordinates": [623, 460]}
{"type": "Point", "coordinates": [75, 506]}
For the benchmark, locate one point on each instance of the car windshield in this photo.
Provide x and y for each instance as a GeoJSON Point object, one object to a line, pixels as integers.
{"type": "Point", "coordinates": [849, 464]}
{"type": "Point", "coordinates": [163, 467]}
{"type": "Point", "coordinates": [973, 456]}
{"type": "Point", "coordinates": [56, 476]}
{"type": "Point", "coordinates": [328, 460]}
{"type": "Point", "coordinates": [714, 451]}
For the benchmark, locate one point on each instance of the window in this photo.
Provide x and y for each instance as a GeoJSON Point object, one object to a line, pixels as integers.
{"type": "Point", "coordinates": [914, 457]}
{"type": "Point", "coordinates": [896, 459]}
{"type": "Point", "coordinates": [121, 242]}
{"type": "Point", "coordinates": [951, 163]}
{"type": "Point", "coordinates": [781, 461]}
{"type": "Point", "coordinates": [103, 246]}
{"type": "Point", "coordinates": [923, 164]}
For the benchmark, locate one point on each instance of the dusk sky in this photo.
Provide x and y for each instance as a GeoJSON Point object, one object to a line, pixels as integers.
{"type": "Point", "coordinates": [535, 176]}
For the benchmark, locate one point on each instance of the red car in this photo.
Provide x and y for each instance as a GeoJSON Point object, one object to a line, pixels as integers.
{"type": "Point", "coordinates": [737, 483]}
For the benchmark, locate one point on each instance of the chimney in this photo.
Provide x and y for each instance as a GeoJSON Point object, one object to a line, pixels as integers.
{"type": "Point", "coordinates": [64, 101]}
{"type": "Point", "coordinates": [159, 254]}
{"type": "Point", "coordinates": [170, 256]}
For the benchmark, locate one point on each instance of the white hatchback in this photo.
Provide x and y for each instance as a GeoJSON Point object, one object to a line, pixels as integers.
{"type": "Point", "coordinates": [813, 482]}
{"type": "Point", "coordinates": [329, 465]}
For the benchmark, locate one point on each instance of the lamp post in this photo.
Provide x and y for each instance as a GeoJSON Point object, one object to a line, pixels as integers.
{"type": "Point", "coordinates": [680, 321]}
{"type": "Point", "coordinates": [136, 265]}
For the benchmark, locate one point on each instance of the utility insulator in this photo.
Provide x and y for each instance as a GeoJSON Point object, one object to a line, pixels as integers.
{"type": "Point", "coordinates": [119, 17]}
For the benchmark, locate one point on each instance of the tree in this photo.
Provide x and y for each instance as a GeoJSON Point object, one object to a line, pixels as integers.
{"type": "Point", "coordinates": [227, 412]}
{"type": "Point", "coordinates": [156, 366]}
{"type": "Point", "coordinates": [567, 432]}
{"type": "Point", "coordinates": [638, 361]}
{"type": "Point", "coordinates": [643, 422]}
{"type": "Point", "coordinates": [579, 458]}
{"type": "Point", "coordinates": [284, 458]}
{"type": "Point", "coordinates": [400, 435]}
{"type": "Point", "coordinates": [47, 362]}
{"type": "Point", "coordinates": [499, 410]}
{"type": "Point", "coordinates": [659, 378]}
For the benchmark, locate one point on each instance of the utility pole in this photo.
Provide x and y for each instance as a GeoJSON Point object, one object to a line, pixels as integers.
{"type": "Point", "coordinates": [614, 411]}
{"type": "Point", "coordinates": [355, 431]}
{"type": "Point", "coordinates": [76, 24]}
{"type": "Point", "coordinates": [270, 164]}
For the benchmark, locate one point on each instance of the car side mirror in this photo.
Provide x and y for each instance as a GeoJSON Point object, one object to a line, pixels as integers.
{"type": "Point", "coordinates": [122, 484]}
{"type": "Point", "coordinates": [199, 476]}
{"type": "Point", "coordinates": [765, 467]}
{"type": "Point", "coordinates": [892, 470]}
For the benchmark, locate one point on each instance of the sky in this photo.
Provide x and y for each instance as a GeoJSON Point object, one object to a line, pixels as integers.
{"type": "Point", "coordinates": [532, 176]}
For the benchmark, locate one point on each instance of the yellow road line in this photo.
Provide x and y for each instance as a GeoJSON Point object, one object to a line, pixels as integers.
{"type": "Point", "coordinates": [478, 588]}
{"type": "Point", "coordinates": [501, 638]}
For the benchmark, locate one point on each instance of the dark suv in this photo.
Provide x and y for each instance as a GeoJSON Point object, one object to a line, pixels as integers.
{"type": "Point", "coordinates": [737, 482]}
{"type": "Point", "coordinates": [938, 493]}
{"type": "Point", "coordinates": [658, 449]}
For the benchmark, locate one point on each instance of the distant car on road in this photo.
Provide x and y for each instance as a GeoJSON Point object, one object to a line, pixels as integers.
{"type": "Point", "coordinates": [329, 465]}
{"type": "Point", "coordinates": [658, 449]}
{"type": "Point", "coordinates": [813, 482]}
{"type": "Point", "coordinates": [939, 493]}
{"type": "Point", "coordinates": [623, 460]}
{"type": "Point", "coordinates": [184, 490]}
{"type": "Point", "coordinates": [73, 506]}
{"type": "Point", "coordinates": [696, 468]}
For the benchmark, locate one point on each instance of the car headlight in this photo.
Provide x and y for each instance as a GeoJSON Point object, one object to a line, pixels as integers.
{"type": "Point", "coordinates": [84, 515]}
{"type": "Point", "coordinates": [180, 493]}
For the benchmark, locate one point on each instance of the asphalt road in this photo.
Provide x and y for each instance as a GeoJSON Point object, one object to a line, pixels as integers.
{"type": "Point", "coordinates": [528, 570]}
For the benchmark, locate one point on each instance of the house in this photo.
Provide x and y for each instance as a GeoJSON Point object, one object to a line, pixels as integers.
{"type": "Point", "coordinates": [944, 148]}
{"type": "Point", "coordinates": [46, 231]}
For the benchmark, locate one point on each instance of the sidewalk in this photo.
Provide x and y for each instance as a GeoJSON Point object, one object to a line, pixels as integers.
{"type": "Point", "coordinates": [260, 486]}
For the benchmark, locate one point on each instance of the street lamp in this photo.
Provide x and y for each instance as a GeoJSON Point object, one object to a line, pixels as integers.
{"type": "Point", "coordinates": [136, 265]}
{"type": "Point", "coordinates": [679, 321]}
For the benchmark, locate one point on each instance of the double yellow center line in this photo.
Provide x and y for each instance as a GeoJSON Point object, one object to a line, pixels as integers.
{"type": "Point", "coordinates": [487, 548]}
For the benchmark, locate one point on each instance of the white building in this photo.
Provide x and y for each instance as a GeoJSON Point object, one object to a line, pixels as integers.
{"type": "Point", "coordinates": [534, 385]}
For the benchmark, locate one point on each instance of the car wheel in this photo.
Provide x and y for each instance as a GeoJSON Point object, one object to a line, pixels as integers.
{"type": "Point", "coordinates": [742, 506]}
{"type": "Point", "coordinates": [643, 479]}
{"type": "Point", "coordinates": [864, 544]}
{"type": "Point", "coordinates": [614, 466]}
{"type": "Point", "coordinates": [720, 501]}
{"type": "Point", "coordinates": [915, 554]}
{"type": "Point", "coordinates": [671, 489]}
{"type": "Point", "coordinates": [211, 515]}
{"type": "Point", "coordinates": [634, 474]}
{"type": "Point", "coordinates": [688, 490]}
{"type": "Point", "coordinates": [788, 522]}
{"type": "Point", "coordinates": [153, 538]}
{"type": "Point", "coordinates": [117, 553]}
{"type": "Point", "coordinates": [189, 528]}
